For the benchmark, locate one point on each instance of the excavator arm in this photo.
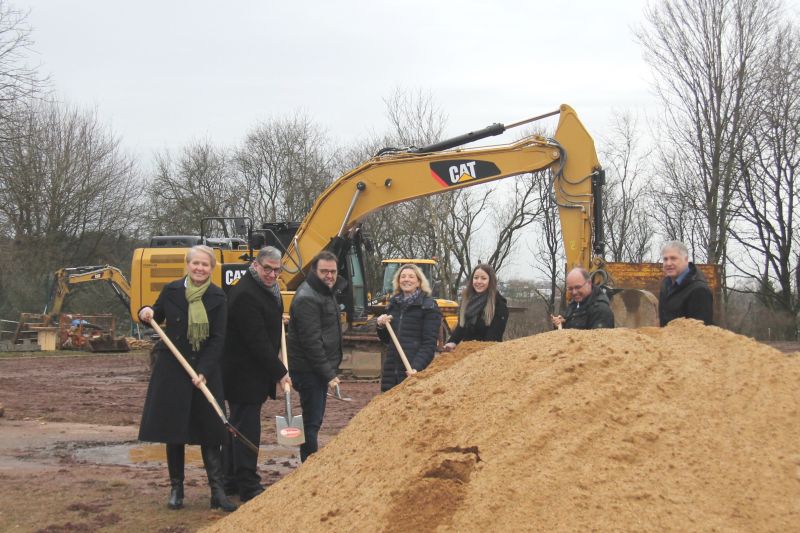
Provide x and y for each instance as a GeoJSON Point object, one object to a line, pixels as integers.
{"type": "Point", "coordinates": [65, 278]}
{"type": "Point", "coordinates": [397, 177]}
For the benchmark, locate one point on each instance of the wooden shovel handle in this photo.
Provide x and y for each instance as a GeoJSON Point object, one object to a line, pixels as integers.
{"type": "Point", "coordinates": [399, 348]}
{"type": "Point", "coordinates": [284, 355]}
{"type": "Point", "coordinates": [185, 364]}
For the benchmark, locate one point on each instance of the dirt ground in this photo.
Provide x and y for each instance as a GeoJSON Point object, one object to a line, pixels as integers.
{"type": "Point", "coordinates": [70, 461]}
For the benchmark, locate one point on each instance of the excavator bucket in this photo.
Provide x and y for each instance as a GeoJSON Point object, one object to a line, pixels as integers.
{"type": "Point", "coordinates": [634, 308]}
{"type": "Point", "coordinates": [107, 343]}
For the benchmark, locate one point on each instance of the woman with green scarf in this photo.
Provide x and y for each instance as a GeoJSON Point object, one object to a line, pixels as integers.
{"type": "Point", "coordinates": [175, 410]}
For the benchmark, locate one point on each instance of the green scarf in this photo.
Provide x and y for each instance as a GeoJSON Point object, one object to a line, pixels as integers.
{"type": "Point", "coordinates": [198, 319]}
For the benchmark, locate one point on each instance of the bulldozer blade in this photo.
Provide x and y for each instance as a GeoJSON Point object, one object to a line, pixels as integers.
{"type": "Point", "coordinates": [290, 431]}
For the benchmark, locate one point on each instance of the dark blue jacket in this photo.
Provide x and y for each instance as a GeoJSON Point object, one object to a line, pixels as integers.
{"type": "Point", "coordinates": [416, 325]}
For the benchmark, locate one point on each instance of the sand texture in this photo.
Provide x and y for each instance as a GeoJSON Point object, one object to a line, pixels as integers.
{"type": "Point", "coordinates": [685, 428]}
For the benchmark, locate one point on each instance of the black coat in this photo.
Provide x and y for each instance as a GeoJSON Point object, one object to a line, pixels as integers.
{"type": "Point", "coordinates": [690, 299]}
{"type": "Point", "coordinates": [592, 313]}
{"type": "Point", "coordinates": [479, 331]}
{"type": "Point", "coordinates": [315, 334]}
{"type": "Point", "coordinates": [416, 325]}
{"type": "Point", "coordinates": [251, 366]}
{"type": "Point", "coordinates": [175, 411]}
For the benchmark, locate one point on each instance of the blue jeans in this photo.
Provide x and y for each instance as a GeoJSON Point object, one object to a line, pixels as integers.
{"type": "Point", "coordinates": [313, 390]}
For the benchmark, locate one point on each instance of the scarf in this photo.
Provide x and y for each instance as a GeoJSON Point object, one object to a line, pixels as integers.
{"type": "Point", "coordinates": [275, 290]}
{"type": "Point", "coordinates": [474, 307]}
{"type": "Point", "coordinates": [407, 299]}
{"type": "Point", "coordinates": [198, 318]}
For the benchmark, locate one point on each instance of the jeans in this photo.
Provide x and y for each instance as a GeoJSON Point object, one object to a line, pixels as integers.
{"type": "Point", "coordinates": [313, 390]}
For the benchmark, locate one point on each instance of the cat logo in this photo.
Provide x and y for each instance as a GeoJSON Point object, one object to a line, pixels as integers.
{"type": "Point", "coordinates": [457, 171]}
{"type": "Point", "coordinates": [232, 275]}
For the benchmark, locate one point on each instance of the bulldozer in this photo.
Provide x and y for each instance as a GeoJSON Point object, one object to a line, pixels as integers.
{"type": "Point", "coordinates": [395, 175]}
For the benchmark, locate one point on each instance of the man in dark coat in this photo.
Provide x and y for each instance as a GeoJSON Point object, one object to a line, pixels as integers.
{"type": "Point", "coordinates": [684, 291]}
{"type": "Point", "coordinates": [251, 365]}
{"type": "Point", "coordinates": [589, 307]}
{"type": "Point", "coordinates": [315, 343]}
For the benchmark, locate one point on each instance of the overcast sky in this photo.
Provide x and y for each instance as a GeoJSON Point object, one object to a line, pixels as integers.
{"type": "Point", "coordinates": [164, 73]}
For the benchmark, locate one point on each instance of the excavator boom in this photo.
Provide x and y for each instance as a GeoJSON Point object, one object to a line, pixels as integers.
{"type": "Point", "coordinates": [396, 177]}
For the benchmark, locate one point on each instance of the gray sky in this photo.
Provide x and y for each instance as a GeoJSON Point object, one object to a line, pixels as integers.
{"type": "Point", "coordinates": [164, 73]}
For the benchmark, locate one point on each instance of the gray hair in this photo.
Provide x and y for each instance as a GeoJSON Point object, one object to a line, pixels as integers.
{"type": "Point", "coordinates": [202, 248]}
{"type": "Point", "coordinates": [583, 271]}
{"type": "Point", "coordinates": [675, 245]}
{"type": "Point", "coordinates": [268, 252]}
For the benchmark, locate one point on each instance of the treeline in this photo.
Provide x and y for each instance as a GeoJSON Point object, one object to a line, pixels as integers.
{"type": "Point", "coordinates": [717, 168]}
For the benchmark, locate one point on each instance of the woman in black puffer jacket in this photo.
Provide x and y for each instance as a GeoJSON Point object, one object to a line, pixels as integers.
{"type": "Point", "coordinates": [416, 320]}
{"type": "Point", "coordinates": [483, 312]}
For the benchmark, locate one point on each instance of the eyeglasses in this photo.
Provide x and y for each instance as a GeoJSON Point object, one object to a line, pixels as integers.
{"type": "Point", "coordinates": [576, 288]}
{"type": "Point", "coordinates": [268, 269]}
{"type": "Point", "coordinates": [324, 272]}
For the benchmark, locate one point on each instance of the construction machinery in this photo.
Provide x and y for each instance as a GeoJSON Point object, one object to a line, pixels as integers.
{"type": "Point", "coordinates": [95, 332]}
{"type": "Point", "coordinates": [398, 175]}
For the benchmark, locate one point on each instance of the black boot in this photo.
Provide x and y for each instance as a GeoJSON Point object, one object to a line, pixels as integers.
{"type": "Point", "coordinates": [175, 457]}
{"type": "Point", "coordinates": [212, 460]}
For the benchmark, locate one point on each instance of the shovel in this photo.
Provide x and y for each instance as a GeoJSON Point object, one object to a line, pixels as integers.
{"type": "Point", "coordinates": [399, 348]}
{"type": "Point", "coordinates": [337, 394]}
{"type": "Point", "coordinates": [290, 428]}
{"type": "Point", "coordinates": [203, 388]}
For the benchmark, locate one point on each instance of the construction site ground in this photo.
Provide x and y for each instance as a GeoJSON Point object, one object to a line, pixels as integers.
{"type": "Point", "coordinates": [70, 460]}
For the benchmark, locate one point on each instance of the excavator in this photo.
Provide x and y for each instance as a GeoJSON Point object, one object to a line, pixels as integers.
{"type": "Point", "coordinates": [64, 279]}
{"type": "Point", "coordinates": [394, 175]}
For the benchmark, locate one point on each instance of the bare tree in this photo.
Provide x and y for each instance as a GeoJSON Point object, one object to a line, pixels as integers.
{"type": "Point", "coordinates": [285, 164]}
{"type": "Point", "coordinates": [67, 193]}
{"type": "Point", "coordinates": [628, 231]}
{"type": "Point", "coordinates": [767, 227]}
{"type": "Point", "coordinates": [547, 247]}
{"type": "Point", "coordinates": [704, 54]}
{"type": "Point", "coordinates": [197, 183]}
{"type": "Point", "coordinates": [19, 82]}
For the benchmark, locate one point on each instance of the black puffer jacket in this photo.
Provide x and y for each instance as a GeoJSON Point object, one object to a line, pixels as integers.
{"type": "Point", "coordinates": [593, 313]}
{"type": "Point", "coordinates": [314, 338]}
{"type": "Point", "coordinates": [480, 331]}
{"type": "Point", "coordinates": [251, 365]}
{"type": "Point", "coordinates": [690, 299]}
{"type": "Point", "coordinates": [416, 324]}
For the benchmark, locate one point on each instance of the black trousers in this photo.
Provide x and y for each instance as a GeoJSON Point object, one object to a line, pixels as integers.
{"type": "Point", "coordinates": [241, 463]}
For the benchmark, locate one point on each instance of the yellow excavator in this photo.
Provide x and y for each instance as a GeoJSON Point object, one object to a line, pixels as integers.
{"type": "Point", "coordinates": [97, 338]}
{"type": "Point", "coordinates": [400, 175]}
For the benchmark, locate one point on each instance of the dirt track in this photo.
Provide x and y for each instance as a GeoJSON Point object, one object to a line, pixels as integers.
{"type": "Point", "coordinates": [69, 459]}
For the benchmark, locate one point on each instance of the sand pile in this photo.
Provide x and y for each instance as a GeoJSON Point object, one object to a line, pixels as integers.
{"type": "Point", "coordinates": [682, 428]}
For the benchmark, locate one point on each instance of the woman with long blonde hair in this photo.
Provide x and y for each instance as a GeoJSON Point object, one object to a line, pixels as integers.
{"type": "Point", "coordinates": [416, 320]}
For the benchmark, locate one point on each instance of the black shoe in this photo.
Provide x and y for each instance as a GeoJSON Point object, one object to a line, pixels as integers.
{"type": "Point", "coordinates": [175, 457]}
{"type": "Point", "coordinates": [176, 494]}
{"type": "Point", "coordinates": [231, 490]}
{"type": "Point", "coordinates": [212, 460]}
{"type": "Point", "coordinates": [246, 497]}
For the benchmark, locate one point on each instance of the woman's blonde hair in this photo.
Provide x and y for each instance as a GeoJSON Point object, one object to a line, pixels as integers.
{"type": "Point", "coordinates": [424, 285]}
{"type": "Point", "coordinates": [204, 249]}
{"type": "Point", "coordinates": [469, 292]}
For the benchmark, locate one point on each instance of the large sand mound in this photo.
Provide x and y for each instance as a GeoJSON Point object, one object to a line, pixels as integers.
{"type": "Point", "coordinates": [682, 428]}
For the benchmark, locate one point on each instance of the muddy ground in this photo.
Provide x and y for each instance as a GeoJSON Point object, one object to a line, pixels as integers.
{"type": "Point", "coordinates": [70, 461]}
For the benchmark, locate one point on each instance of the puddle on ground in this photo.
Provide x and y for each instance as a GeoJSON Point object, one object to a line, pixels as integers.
{"type": "Point", "coordinates": [274, 457]}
